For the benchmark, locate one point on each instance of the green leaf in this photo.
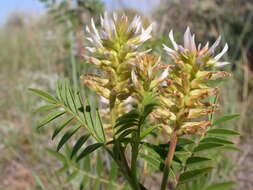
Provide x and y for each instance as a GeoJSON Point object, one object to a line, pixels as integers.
{"type": "Point", "coordinates": [126, 120]}
{"type": "Point", "coordinates": [134, 114]}
{"type": "Point", "coordinates": [154, 162]}
{"type": "Point", "coordinates": [51, 116]}
{"type": "Point", "coordinates": [184, 141]}
{"type": "Point", "coordinates": [226, 132]}
{"type": "Point", "coordinates": [125, 133]}
{"type": "Point", "coordinates": [63, 124]}
{"type": "Point", "coordinates": [216, 140]}
{"type": "Point", "coordinates": [189, 175]}
{"type": "Point", "coordinates": [99, 127]}
{"type": "Point", "coordinates": [46, 96]}
{"type": "Point", "coordinates": [225, 119]}
{"type": "Point", "coordinates": [79, 144]}
{"type": "Point", "coordinates": [221, 186]}
{"type": "Point", "coordinates": [125, 126]}
{"type": "Point", "coordinates": [89, 149]}
{"type": "Point", "coordinates": [67, 136]}
{"type": "Point", "coordinates": [99, 164]}
{"type": "Point", "coordinates": [113, 171]}
{"type": "Point", "coordinates": [57, 155]}
{"type": "Point", "coordinates": [207, 146]}
{"type": "Point", "coordinates": [46, 108]}
{"type": "Point", "coordinates": [148, 131]}
{"type": "Point", "coordinates": [72, 176]}
{"type": "Point", "coordinates": [196, 159]}
{"type": "Point", "coordinates": [63, 169]}
{"type": "Point", "coordinates": [231, 148]}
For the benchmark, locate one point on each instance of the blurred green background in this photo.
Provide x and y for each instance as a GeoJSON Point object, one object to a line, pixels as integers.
{"type": "Point", "coordinates": [42, 41]}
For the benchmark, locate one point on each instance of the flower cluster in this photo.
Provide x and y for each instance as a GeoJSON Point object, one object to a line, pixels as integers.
{"type": "Point", "coordinates": [182, 88]}
{"type": "Point", "coordinates": [115, 46]}
{"type": "Point", "coordinates": [185, 97]}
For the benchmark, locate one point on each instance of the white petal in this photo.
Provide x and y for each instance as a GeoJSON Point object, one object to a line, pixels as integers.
{"type": "Point", "coordinates": [199, 47]}
{"type": "Point", "coordinates": [215, 44]}
{"type": "Point", "coordinates": [225, 49]}
{"type": "Point", "coordinates": [90, 39]}
{"type": "Point", "coordinates": [87, 29]}
{"type": "Point", "coordinates": [221, 64]}
{"type": "Point", "coordinates": [193, 45]}
{"type": "Point", "coordinates": [149, 72]}
{"type": "Point", "coordinates": [164, 74]}
{"type": "Point", "coordinates": [94, 28]}
{"type": "Point", "coordinates": [134, 77]}
{"type": "Point", "coordinates": [91, 49]}
{"type": "Point", "coordinates": [187, 39]}
{"type": "Point", "coordinates": [169, 50]}
{"type": "Point", "coordinates": [134, 24]}
{"type": "Point", "coordinates": [172, 40]}
{"type": "Point", "coordinates": [145, 35]}
{"type": "Point", "coordinates": [144, 52]}
{"type": "Point", "coordinates": [102, 21]}
{"type": "Point", "coordinates": [103, 100]}
{"type": "Point", "coordinates": [115, 16]}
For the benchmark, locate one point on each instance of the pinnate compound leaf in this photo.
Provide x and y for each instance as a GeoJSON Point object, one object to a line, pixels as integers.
{"type": "Point", "coordinates": [207, 146]}
{"type": "Point", "coordinates": [226, 132]}
{"type": "Point", "coordinates": [225, 119]}
{"type": "Point", "coordinates": [67, 136]}
{"type": "Point", "coordinates": [63, 124]}
{"type": "Point", "coordinates": [196, 160]}
{"type": "Point", "coordinates": [222, 186]}
{"type": "Point", "coordinates": [46, 96]}
{"type": "Point", "coordinates": [193, 174]}
{"type": "Point", "coordinates": [79, 144]}
{"type": "Point", "coordinates": [89, 149]}
{"type": "Point", "coordinates": [51, 116]}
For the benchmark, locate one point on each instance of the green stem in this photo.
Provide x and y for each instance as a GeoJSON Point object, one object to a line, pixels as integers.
{"type": "Point", "coordinates": [135, 151]}
{"type": "Point", "coordinates": [173, 143]}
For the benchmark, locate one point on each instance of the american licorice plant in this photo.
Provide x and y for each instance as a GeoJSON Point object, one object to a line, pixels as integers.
{"type": "Point", "coordinates": [150, 117]}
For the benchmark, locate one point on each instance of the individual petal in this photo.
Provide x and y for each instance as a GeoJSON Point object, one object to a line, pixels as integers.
{"type": "Point", "coordinates": [91, 49]}
{"type": "Point", "coordinates": [145, 34]}
{"type": "Point", "coordinates": [225, 49]}
{"type": "Point", "coordinates": [221, 64]}
{"type": "Point", "coordinates": [187, 39]}
{"type": "Point", "coordinates": [193, 44]}
{"type": "Point", "coordinates": [215, 44]}
{"type": "Point", "coordinates": [144, 52]}
{"type": "Point", "coordinates": [134, 78]}
{"type": "Point", "coordinates": [92, 59]}
{"type": "Point", "coordinates": [170, 51]}
{"type": "Point", "coordinates": [172, 40]}
{"type": "Point", "coordinates": [87, 29]}
{"type": "Point", "coordinates": [94, 28]}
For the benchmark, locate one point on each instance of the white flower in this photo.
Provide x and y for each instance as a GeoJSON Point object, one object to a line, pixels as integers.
{"type": "Point", "coordinates": [221, 64]}
{"type": "Point", "coordinates": [146, 34]}
{"type": "Point", "coordinates": [134, 78]}
{"type": "Point", "coordinates": [172, 40]}
{"type": "Point", "coordinates": [225, 49]}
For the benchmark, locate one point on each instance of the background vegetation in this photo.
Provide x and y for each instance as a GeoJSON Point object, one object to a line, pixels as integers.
{"type": "Point", "coordinates": [36, 51]}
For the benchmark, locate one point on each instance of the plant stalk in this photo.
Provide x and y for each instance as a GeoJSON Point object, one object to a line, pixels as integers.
{"type": "Point", "coordinates": [170, 155]}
